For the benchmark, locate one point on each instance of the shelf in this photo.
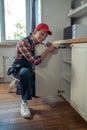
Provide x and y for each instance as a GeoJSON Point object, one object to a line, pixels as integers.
{"type": "Point", "coordinates": [66, 77]}
{"type": "Point", "coordinates": [79, 11]}
{"type": "Point", "coordinates": [66, 61]}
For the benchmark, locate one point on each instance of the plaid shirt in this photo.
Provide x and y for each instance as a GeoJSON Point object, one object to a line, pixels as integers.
{"type": "Point", "coordinates": [24, 48]}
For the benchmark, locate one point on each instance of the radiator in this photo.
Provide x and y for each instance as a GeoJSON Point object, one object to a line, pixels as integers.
{"type": "Point", "coordinates": [1, 67]}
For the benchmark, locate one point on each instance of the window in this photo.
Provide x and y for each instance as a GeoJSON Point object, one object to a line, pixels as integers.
{"type": "Point", "coordinates": [15, 19]}
{"type": "Point", "coordinates": [38, 11]}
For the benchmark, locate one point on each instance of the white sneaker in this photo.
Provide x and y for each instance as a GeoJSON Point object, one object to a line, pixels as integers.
{"type": "Point", "coordinates": [25, 111]}
{"type": "Point", "coordinates": [12, 86]}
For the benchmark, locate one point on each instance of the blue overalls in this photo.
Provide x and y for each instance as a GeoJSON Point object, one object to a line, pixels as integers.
{"type": "Point", "coordinates": [23, 71]}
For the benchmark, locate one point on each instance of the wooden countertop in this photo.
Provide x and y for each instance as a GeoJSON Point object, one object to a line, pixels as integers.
{"type": "Point", "coordinates": [71, 41]}
{"type": "Point", "coordinates": [78, 40]}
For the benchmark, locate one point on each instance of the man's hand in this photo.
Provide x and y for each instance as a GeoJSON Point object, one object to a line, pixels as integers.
{"type": "Point", "coordinates": [51, 49]}
{"type": "Point", "coordinates": [49, 44]}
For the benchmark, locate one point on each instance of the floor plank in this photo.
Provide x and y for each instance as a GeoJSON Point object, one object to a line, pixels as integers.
{"type": "Point", "coordinates": [48, 113]}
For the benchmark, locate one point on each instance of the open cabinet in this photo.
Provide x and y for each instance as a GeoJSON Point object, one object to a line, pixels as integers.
{"type": "Point", "coordinates": [65, 73]}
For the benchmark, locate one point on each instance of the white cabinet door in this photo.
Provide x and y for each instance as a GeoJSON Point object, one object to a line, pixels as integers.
{"type": "Point", "coordinates": [85, 94]}
{"type": "Point", "coordinates": [47, 73]}
{"type": "Point", "coordinates": [79, 77]}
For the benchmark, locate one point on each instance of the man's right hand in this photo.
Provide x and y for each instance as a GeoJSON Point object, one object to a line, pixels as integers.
{"type": "Point", "coordinates": [51, 49]}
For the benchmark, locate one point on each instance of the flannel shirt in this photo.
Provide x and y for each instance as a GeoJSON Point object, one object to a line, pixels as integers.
{"type": "Point", "coordinates": [24, 48]}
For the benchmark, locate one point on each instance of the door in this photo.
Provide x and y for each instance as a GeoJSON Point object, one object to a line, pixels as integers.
{"type": "Point", "coordinates": [47, 73]}
{"type": "Point", "coordinates": [85, 93]}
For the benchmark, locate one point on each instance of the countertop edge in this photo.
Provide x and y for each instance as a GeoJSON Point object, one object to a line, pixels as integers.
{"type": "Point", "coordinates": [71, 41]}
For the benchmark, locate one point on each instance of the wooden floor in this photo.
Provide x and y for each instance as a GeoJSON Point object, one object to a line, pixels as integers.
{"type": "Point", "coordinates": [48, 113]}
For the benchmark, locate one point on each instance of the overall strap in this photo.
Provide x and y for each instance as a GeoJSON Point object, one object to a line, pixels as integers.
{"type": "Point", "coordinates": [29, 40]}
{"type": "Point", "coordinates": [33, 49]}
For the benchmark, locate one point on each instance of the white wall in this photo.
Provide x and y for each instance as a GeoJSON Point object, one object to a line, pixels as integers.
{"type": "Point", "coordinates": [8, 53]}
{"type": "Point", "coordinates": [54, 13]}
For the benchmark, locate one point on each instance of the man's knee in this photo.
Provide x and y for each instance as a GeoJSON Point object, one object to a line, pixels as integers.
{"type": "Point", "coordinates": [25, 72]}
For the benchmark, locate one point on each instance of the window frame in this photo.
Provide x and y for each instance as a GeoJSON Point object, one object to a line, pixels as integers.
{"type": "Point", "coordinates": [2, 22]}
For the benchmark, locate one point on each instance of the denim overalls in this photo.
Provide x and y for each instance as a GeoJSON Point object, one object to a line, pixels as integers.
{"type": "Point", "coordinates": [23, 71]}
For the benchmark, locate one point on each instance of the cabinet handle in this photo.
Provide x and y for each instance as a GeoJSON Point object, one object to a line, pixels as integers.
{"type": "Point", "coordinates": [60, 91]}
{"type": "Point", "coordinates": [71, 45]}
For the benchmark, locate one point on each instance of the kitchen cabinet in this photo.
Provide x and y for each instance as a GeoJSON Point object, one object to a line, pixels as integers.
{"type": "Point", "coordinates": [79, 11]}
{"type": "Point", "coordinates": [85, 94]}
{"type": "Point", "coordinates": [53, 75]}
{"type": "Point", "coordinates": [65, 74]}
{"type": "Point", "coordinates": [79, 79]}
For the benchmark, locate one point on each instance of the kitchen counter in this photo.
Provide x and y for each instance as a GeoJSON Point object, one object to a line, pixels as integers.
{"type": "Point", "coordinates": [78, 40]}
{"type": "Point", "coordinates": [70, 41]}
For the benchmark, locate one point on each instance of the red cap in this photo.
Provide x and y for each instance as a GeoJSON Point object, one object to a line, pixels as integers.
{"type": "Point", "coordinates": [43, 27]}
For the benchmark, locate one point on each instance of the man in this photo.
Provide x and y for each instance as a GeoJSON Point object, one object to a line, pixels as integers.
{"type": "Point", "coordinates": [25, 60]}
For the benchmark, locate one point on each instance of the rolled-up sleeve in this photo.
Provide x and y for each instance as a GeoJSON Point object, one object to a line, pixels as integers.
{"type": "Point", "coordinates": [24, 48]}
